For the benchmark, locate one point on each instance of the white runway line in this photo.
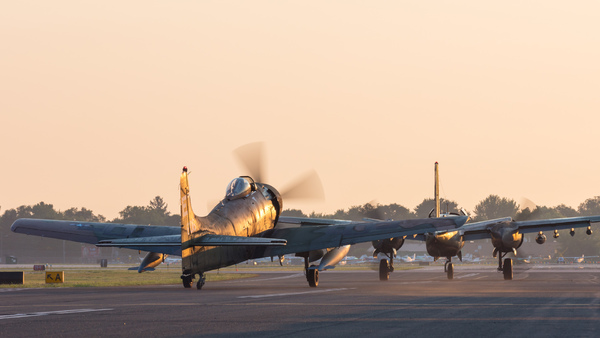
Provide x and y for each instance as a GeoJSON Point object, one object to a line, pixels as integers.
{"type": "Point", "coordinates": [265, 279]}
{"type": "Point", "coordinates": [37, 314]}
{"type": "Point", "coordinates": [296, 293]}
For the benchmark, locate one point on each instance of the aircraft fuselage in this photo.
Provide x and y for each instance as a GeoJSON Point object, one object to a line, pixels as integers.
{"type": "Point", "coordinates": [251, 215]}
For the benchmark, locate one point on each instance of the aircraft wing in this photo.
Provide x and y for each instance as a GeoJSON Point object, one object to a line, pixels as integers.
{"type": "Point", "coordinates": [307, 238]}
{"type": "Point", "coordinates": [94, 233]}
{"type": "Point", "coordinates": [154, 238]}
{"type": "Point", "coordinates": [481, 230]}
{"type": "Point", "coordinates": [279, 241]}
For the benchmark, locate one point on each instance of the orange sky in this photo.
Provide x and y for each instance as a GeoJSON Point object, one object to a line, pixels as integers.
{"type": "Point", "coordinates": [103, 102]}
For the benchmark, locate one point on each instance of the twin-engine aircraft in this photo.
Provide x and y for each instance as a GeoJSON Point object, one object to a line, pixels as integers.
{"type": "Point", "coordinates": [506, 236]}
{"type": "Point", "coordinates": [244, 225]}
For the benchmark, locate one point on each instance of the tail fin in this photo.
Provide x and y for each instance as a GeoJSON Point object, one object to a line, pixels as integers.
{"type": "Point", "coordinates": [436, 191]}
{"type": "Point", "coordinates": [189, 222]}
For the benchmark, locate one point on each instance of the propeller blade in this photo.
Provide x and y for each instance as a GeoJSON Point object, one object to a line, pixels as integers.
{"type": "Point", "coordinates": [251, 157]}
{"type": "Point", "coordinates": [308, 186]}
{"type": "Point", "coordinates": [527, 203]}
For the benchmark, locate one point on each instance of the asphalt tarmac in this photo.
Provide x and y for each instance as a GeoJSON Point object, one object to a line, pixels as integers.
{"type": "Point", "coordinates": [555, 301]}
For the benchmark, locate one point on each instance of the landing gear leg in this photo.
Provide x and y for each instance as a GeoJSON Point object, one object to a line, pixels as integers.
{"type": "Point", "coordinates": [201, 281]}
{"type": "Point", "coordinates": [508, 269]}
{"type": "Point", "coordinates": [449, 268]}
{"type": "Point", "coordinates": [384, 270]}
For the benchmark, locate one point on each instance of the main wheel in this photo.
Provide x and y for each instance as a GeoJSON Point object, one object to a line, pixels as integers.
{"type": "Point", "coordinates": [187, 281]}
{"type": "Point", "coordinates": [384, 270]}
{"type": "Point", "coordinates": [450, 271]}
{"type": "Point", "coordinates": [507, 269]}
{"type": "Point", "coordinates": [312, 275]}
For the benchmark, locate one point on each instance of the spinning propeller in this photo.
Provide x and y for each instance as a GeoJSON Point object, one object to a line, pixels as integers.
{"type": "Point", "coordinates": [308, 186]}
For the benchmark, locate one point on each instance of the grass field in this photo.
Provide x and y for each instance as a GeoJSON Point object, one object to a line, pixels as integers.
{"type": "Point", "coordinates": [96, 277]}
{"type": "Point", "coordinates": [91, 276]}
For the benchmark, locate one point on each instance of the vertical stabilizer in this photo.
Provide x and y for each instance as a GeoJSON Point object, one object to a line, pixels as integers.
{"type": "Point", "coordinates": [189, 222]}
{"type": "Point", "coordinates": [437, 190]}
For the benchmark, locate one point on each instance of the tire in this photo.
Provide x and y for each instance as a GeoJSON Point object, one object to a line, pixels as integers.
{"type": "Point", "coordinates": [312, 275]}
{"type": "Point", "coordinates": [450, 271]}
{"type": "Point", "coordinates": [384, 270]}
{"type": "Point", "coordinates": [507, 269]}
{"type": "Point", "coordinates": [187, 281]}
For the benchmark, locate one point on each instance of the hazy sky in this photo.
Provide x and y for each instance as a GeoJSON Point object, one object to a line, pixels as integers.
{"type": "Point", "coordinates": [103, 102]}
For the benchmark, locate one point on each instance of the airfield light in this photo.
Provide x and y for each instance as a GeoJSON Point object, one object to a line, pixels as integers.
{"type": "Point", "coordinates": [556, 234]}
{"type": "Point", "coordinates": [572, 232]}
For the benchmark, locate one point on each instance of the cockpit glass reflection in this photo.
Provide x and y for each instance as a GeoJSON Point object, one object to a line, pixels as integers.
{"type": "Point", "coordinates": [238, 188]}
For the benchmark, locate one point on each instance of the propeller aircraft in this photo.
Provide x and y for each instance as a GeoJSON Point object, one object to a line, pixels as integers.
{"type": "Point", "coordinates": [246, 224]}
{"type": "Point", "coordinates": [505, 233]}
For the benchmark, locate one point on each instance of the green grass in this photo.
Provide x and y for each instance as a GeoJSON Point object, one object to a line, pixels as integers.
{"type": "Point", "coordinates": [120, 276]}
{"type": "Point", "coordinates": [97, 277]}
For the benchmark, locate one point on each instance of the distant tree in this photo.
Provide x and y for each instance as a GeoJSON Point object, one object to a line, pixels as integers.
{"type": "Point", "coordinates": [566, 211]}
{"type": "Point", "coordinates": [422, 210]}
{"type": "Point", "coordinates": [359, 212]}
{"type": "Point", "coordinates": [155, 213]}
{"type": "Point", "coordinates": [134, 215]}
{"type": "Point", "coordinates": [158, 204]}
{"type": "Point", "coordinates": [368, 210]}
{"type": "Point", "coordinates": [394, 211]}
{"type": "Point", "coordinates": [495, 207]}
{"type": "Point", "coordinates": [84, 214]}
{"type": "Point", "coordinates": [540, 212]}
{"type": "Point", "coordinates": [293, 213]}
{"type": "Point", "coordinates": [590, 207]}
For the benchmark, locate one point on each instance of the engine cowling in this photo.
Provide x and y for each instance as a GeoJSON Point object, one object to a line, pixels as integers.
{"type": "Point", "coordinates": [387, 246]}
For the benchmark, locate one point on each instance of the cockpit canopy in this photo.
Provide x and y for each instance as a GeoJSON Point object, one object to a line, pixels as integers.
{"type": "Point", "coordinates": [240, 187]}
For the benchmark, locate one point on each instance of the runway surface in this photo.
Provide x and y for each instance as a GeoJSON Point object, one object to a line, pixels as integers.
{"type": "Point", "coordinates": [544, 301]}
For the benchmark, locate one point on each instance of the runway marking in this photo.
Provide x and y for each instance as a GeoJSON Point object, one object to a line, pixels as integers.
{"type": "Point", "coordinates": [465, 276]}
{"type": "Point", "coordinates": [17, 289]}
{"type": "Point", "coordinates": [37, 314]}
{"type": "Point", "coordinates": [265, 279]}
{"type": "Point", "coordinates": [296, 293]}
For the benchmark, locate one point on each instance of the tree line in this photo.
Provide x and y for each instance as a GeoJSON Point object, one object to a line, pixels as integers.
{"type": "Point", "coordinates": [491, 207]}
{"type": "Point", "coordinates": [156, 213]}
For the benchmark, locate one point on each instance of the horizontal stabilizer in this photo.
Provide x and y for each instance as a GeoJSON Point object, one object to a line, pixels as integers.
{"type": "Point", "coordinates": [222, 240]}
